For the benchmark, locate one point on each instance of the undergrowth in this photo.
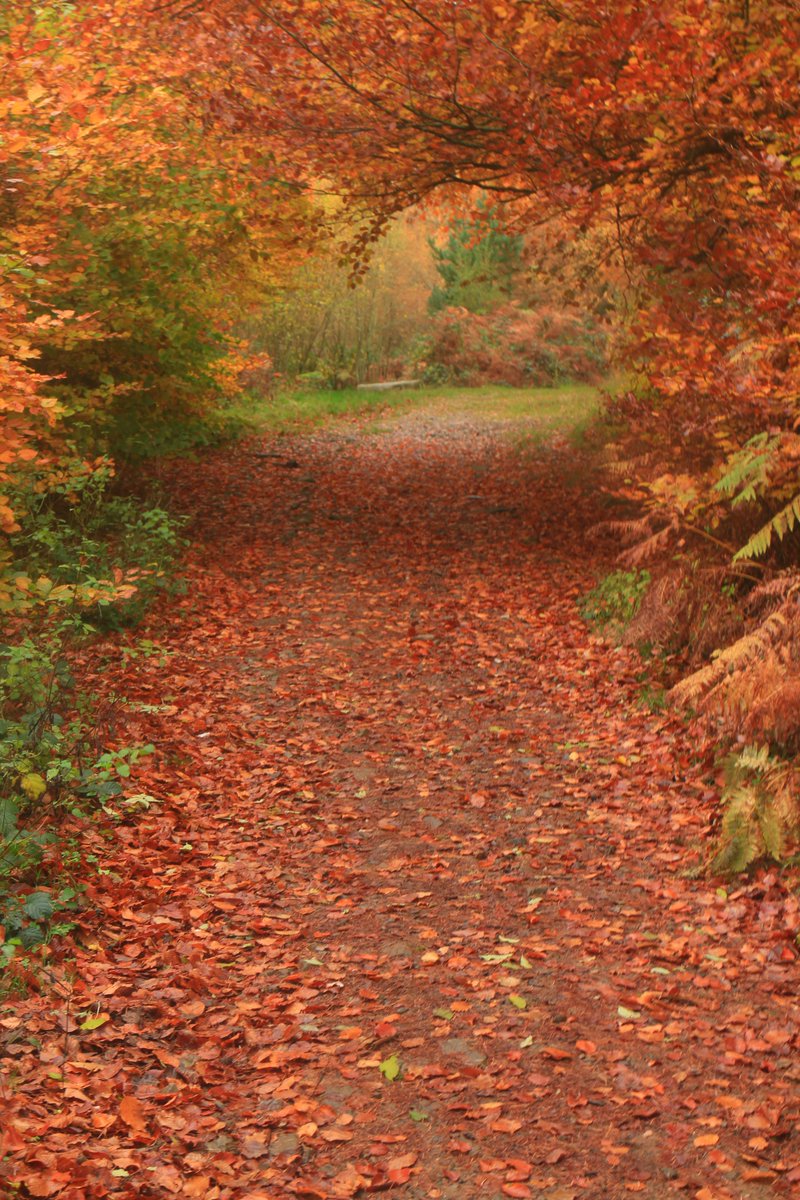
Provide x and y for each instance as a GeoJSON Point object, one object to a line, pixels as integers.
{"type": "Point", "coordinates": [85, 561]}
{"type": "Point", "coordinates": [722, 601]}
{"type": "Point", "coordinates": [79, 542]}
{"type": "Point", "coordinates": [613, 603]}
{"type": "Point", "coordinates": [760, 815]}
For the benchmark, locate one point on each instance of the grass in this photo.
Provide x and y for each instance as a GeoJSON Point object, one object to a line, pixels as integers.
{"type": "Point", "coordinates": [290, 411]}
{"type": "Point", "coordinates": [532, 413]}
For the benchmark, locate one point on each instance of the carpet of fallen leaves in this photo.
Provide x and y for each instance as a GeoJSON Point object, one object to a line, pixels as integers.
{"type": "Point", "coordinates": [413, 913]}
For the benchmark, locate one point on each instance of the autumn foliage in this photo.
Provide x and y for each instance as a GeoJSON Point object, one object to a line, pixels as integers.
{"type": "Point", "coordinates": [157, 163]}
{"type": "Point", "coordinates": [128, 208]}
{"type": "Point", "coordinates": [672, 131]}
{"type": "Point", "coordinates": [400, 880]}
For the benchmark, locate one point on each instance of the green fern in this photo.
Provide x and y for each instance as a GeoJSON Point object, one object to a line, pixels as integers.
{"type": "Point", "coordinates": [782, 523]}
{"type": "Point", "coordinates": [748, 469]}
{"type": "Point", "coordinates": [757, 801]}
{"type": "Point", "coordinates": [738, 847]}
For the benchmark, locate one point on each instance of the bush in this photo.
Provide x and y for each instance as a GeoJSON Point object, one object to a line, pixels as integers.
{"type": "Point", "coordinates": [514, 346]}
{"type": "Point", "coordinates": [82, 558]}
{"type": "Point", "coordinates": [53, 761]}
{"type": "Point", "coordinates": [109, 554]}
{"type": "Point", "coordinates": [614, 602]}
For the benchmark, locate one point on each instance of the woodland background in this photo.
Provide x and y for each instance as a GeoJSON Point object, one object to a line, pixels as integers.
{"type": "Point", "coordinates": [204, 205]}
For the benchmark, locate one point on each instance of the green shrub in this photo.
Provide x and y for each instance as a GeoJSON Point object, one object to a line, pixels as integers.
{"type": "Point", "coordinates": [613, 603]}
{"type": "Point", "coordinates": [80, 537]}
{"type": "Point", "coordinates": [83, 558]}
{"type": "Point", "coordinates": [53, 759]}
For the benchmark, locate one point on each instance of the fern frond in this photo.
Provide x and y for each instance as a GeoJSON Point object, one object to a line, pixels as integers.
{"type": "Point", "coordinates": [626, 531]}
{"type": "Point", "coordinates": [733, 658]}
{"type": "Point", "coordinates": [748, 468]}
{"type": "Point", "coordinates": [772, 590]}
{"type": "Point", "coordinates": [782, 523]}
{"type": "Point", "coordinates": [649, 547]}
{"type": "Point", "coordinates": [775, 712]}
{"type": "Point", "coordinates": [761, 816]}
{"type": "Point", "coordinates": [738, 847]}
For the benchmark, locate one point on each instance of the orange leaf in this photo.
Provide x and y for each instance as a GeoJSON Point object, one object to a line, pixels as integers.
{"type": "Point", "coordinates": [133, 1114]}
{"type": "Point", "coordinates": [506, 1125]}
{"type": "Point", "coordinates": [194, 1008]}
{"type": "Point", "coordinates": [198, 1186]}
{"type": "Point", "coordinates": [402, 1160]}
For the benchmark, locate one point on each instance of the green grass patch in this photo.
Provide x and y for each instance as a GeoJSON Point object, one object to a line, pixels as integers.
{"type": "Point", "coordinates": [535, 413]}
{"type": "Point", "coordinates": [289, 411]}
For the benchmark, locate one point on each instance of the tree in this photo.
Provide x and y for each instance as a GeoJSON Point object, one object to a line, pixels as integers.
{"type": "Point", "coordinates": [128, 204]}
{"type": "Point", "coordinates": [675, 122]}
{"type": "Point", "coordinates": [478, 264]}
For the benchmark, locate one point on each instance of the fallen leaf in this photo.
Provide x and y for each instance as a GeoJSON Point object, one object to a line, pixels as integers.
{"type": "Point", "coordinates": [390, 1067]}
{"type": "Point", "coordinates": [133, 1114]}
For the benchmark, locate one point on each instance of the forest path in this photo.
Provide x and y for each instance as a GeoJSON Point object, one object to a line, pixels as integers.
{"type": "Point", "coordinates": [415, 823]}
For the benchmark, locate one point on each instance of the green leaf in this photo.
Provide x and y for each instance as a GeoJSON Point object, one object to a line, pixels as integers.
{"type": "Point", "coordinates": [8, 818]}
{"type": "Point", "coordinates": [94, 1022]}
{"type": "Point", "coordinates": [526, 1042]}
{"type": "Point", "coordinates": [445, 1014]}
{"type": "Point", "coordinates": [518, 1001]}
{"type": "Point", "coordinates": [416, 1115]}
{"type": "Point", "coordinates": [38, 906]}
{"type": "Point", "coordinates": [628, 1013]}
{"type": "Point", "coordinates": [390, 1068]}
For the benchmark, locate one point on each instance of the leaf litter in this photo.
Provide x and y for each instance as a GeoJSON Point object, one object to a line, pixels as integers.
{"type": "Point", "coordinates": [387, 928]}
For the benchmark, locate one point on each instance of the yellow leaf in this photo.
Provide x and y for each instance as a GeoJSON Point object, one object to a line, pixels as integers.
{"type": "Point", "coordinates": [33, 785]}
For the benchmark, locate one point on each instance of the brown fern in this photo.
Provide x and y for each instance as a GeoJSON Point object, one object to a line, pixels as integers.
{"type": "Point", "coordinates": [753, 685]}
{"type": "Point", "coordinates": [650, 547]}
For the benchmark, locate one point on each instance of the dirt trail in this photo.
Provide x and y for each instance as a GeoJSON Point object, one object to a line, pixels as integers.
{"type": "Point", "coordinates": [414, 816]}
